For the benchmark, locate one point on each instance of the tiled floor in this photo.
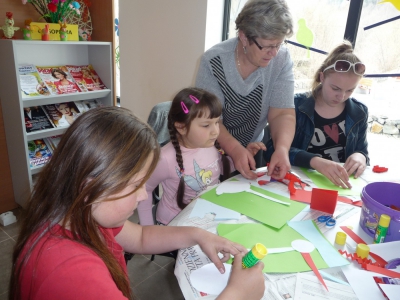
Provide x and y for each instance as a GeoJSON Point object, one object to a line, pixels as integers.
{"type": "Point", "coordinates": [149, 279]}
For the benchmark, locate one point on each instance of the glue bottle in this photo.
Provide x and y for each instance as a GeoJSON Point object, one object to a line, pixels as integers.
{"type": "Point", "coordinates": [340, 240]}
{"type": "Point", "coordinates": [258, 252]}
{"type": "Point", "coordinates": [382, 229]}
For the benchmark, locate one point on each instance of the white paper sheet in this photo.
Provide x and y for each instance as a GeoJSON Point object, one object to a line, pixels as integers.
{"type": "Point", "coordinates": [308, 287]}
{"type": "Point", "coordinates": [203, 207]}
{"type": "Point", "coordinates": [209, 280]}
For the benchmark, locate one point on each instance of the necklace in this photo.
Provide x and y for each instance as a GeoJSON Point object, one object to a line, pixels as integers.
{"type": "Point", "coordinates": [237, 59]}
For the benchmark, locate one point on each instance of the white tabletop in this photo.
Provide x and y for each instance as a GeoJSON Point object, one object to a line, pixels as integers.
{"type": "Point", "coordinates": [193, 258]}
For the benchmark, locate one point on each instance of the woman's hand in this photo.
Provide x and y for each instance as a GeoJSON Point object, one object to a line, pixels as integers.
{"type": "Point", "coordinates": [254, 147]}
{"type": "Point", "coordinates": [243, 161]}
{"type": "Point", "coordinates": [212, 244]}
{"type": "Point", "coordinates": [246, 284]}
{"type": "Point", "coordinates": [355, 163]}
{"type": "Point", "coordinates": [279, 164]}
{"type": "Point", "coordinates": [332, 170]}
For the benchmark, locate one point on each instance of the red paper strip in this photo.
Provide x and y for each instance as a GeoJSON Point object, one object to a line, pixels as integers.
{"type": "Point", "coordinates": [383, 271]}
{"type": "Point", "coordinates": [359, 260]}
{"type": "Point", "coordinates": [310, 262]}
{"type": "Point", "coordinates": [324, 200]}
{"type": "Point", "coordinates": [354, 236]}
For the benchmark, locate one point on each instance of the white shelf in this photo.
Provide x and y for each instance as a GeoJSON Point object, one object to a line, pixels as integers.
{"type": "Point", "coordinates": [40, 53]}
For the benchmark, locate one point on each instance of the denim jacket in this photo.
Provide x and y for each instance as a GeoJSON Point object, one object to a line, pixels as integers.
{"type": "Point", "coordinates": [355, 129]}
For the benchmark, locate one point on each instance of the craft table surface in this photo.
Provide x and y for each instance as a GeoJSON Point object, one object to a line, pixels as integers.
{"type": "Point", "coordinates": [330, 236]}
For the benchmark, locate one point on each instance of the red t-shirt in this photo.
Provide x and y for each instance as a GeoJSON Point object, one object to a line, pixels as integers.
{"type": "Point", "coordinates": [59, 268]}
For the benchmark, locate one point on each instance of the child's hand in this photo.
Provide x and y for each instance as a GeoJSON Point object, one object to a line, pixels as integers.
{"type": "Point", "coordinates": [244, 283]}
{"type": "Point", "coordinates": [254, 147]}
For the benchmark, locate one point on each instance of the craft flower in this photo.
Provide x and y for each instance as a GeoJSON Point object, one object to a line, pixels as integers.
{"type": "Point", "coordinates": [54, 11]}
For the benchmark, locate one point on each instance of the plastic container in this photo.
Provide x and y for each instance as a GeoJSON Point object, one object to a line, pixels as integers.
{"type": "Point", "coordinates": [377, 197]}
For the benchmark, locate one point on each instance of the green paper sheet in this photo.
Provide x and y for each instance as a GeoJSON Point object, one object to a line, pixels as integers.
{"type": "Point", "coordinates": [324, 183]}
{"type": "Point", "coordinates": [289, 262]}
{"type": "Point", "coordinates": [256, 207]}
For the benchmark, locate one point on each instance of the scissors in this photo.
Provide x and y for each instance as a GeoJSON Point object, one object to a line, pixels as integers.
{"type": "Point", "coordinates": [330, 221]}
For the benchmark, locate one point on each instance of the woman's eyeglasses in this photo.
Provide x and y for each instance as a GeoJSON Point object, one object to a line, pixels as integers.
{"type": "Point", "coordinates": [344, 66]}
{"type": "Point", "coordinates": [269, 48]}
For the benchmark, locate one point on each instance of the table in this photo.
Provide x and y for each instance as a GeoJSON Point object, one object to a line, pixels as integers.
{"type": "Point", "coordinates": [277, 285]}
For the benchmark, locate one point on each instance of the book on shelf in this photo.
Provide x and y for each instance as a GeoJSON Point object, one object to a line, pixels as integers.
{"type": "Point", "coordinates": [30, 81]}
{"type": "Point", "coordinates": [86, 77]}
{"type": "Point", "coordinates": [36, 119]}
{"type": "Point", "coordinates": [62, 114]}
{"type": "Point", "coordinates": [53, 141]}
{"type": "Point", "coordinates": [58, 80]}
{"type": "Point", "coordinates": [39, 153]}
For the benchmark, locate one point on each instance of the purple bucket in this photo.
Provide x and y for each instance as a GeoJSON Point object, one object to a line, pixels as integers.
{"type": "Point", "coordinates": [377, 198]}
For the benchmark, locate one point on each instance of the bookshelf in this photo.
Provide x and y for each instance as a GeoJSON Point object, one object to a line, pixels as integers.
{"type": "Point", "coordinates": [99, 54]}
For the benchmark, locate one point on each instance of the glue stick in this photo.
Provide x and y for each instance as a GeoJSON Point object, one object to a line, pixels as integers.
{"type": "Point", "coordinates": [258, 252]}
{"type": "Point", "coordinates": [382, 229]}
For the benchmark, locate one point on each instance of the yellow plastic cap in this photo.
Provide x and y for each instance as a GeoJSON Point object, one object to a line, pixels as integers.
{"type": "Point", "coordinates": [362, 250]}
{"type": "Point", "coordinates": [259, 251]}
{"type": "Point", "coordinates": [384, 220]}
{"type": "Point", "coordinates": [340, 238]}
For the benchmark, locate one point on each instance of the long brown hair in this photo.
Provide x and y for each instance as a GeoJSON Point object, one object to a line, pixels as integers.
{"type": "Point", "coordinates": [344, 51]}
{"type": "Point", "coordinates": [96, 158]}
{"type": "Point", "coordinates": [209, 106]}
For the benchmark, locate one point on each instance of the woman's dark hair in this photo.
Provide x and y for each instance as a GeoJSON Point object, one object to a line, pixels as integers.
{"type": "Point", "coordinates": [53, 71]}
{"type": "Point", "coordinates": [209, 106]}
{"type": "Point", "coordinates": [96, 158]}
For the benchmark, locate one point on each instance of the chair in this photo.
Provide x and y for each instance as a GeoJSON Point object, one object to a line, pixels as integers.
{"type": "Point", "coordinates": [158, 120]}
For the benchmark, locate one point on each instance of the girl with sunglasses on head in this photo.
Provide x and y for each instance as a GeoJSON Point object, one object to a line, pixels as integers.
{"type": "Point", "coordinates": [76, 226]}
{"type": "Point", "coordinates": [331, 127]}
{"type": "Point", "coordinates": [252, 76]}
{"type": "Point", "coordinates": [193, 160]}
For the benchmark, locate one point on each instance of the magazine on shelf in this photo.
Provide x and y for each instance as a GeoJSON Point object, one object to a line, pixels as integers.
{"type": "Point", "coordinates": [62, 114]}
{"type": "Point", "coordinates": [36, 119]}
{"type": "Point", "coordinates": [53, 141]}
{"type": "Point", "coordinates": [39, 153]}
{"type": "Point", "coordinates": [86, 78]}
{"type": "Point", "coordinates": [89, 104]}
{"type": "Point", "coordinates": [30, 81]}
{"type": "Point", "coordinates": [58, 80]}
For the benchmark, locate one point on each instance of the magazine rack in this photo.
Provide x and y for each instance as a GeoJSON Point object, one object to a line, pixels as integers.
{"type": "Point", "coordinates": [15, 52]}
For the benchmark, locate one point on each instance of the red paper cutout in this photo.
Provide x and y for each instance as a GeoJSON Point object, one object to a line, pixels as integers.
{"type": "Point", "coordinates": [310, 262]}
{"type": "Point", "coordinates": [333, 132]}
{"type": "Point", "coordinates": [359, 240]}
{"type": "Point", "coordinates": [324, 200]}
{"type": "Point", "coordinates": [305, 197]}
{"type": "Point", "coordinates": [368, 265]}
{"type": "Point", "coordinates": [263, 182]}
{"type": "Point", "coordinates": [378, 169]}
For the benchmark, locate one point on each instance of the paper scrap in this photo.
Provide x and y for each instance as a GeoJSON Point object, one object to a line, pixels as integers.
{"type": "Point", "coordinates": [203, 207]}
{"type": "Point", "coordinates": [209, 280]}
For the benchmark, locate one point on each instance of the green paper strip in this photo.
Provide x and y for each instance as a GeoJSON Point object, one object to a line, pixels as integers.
{"type": "Point", "coordinates": [258, 208]}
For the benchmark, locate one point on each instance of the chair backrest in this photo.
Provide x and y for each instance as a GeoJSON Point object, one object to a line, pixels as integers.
{"type": "Point", "coordinates": [158, 120]}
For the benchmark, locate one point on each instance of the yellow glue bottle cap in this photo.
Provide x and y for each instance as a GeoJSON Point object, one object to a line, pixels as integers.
{"type": "Point", "coordinates": [384, 220]}
{"type": "Point", "coordinates": [340, 238]}
{"type": "Point", "coordinates": [259, 251]}
{"type": "Point", "coordinates": [362, 250]}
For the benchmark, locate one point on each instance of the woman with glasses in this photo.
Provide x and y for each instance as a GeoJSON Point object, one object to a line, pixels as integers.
{"type": "Point", "coordinates": [331, 127]}
{"type": "Point", "coordinates": [252, 76]}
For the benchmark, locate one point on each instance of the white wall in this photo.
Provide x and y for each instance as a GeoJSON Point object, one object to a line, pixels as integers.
{"type": "Point", "coordinates": [161, 43]}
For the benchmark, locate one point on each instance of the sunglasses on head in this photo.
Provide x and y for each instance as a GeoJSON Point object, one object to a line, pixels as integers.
{"type": "Point", "coordinates": [344, 66]}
